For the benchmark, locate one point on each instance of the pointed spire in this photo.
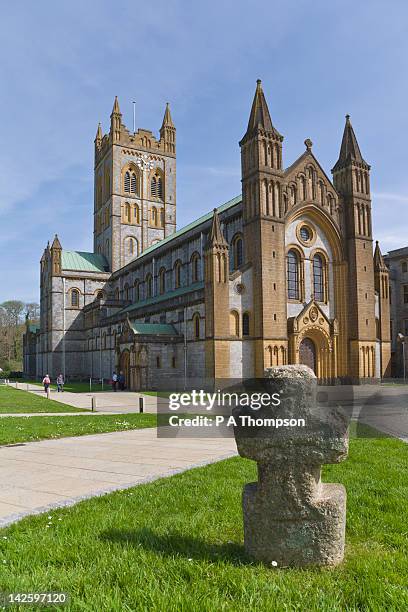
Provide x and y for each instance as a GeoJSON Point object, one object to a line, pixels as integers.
{"type": "Point", "coordinates": [98, 137]}
{"type": "Point", "coordinates": [216, 237]}
{"type": "Point", "coordinates": [349, 150]}
{"type": "Point", "coordinates": [116, 121]}
{"type": "Point", "coordinates": [260, 117]}
{"type": "Point", "coordinates": [116, 109]}
{"type": "Point", "coordinates": [167, 120]}
{"type": "Point", "coordinates": [379, 264]}
{"type": "Point", "coordinates": [56, 243]}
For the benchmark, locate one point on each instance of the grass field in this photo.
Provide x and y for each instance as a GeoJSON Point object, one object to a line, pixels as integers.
{"type": "Point", "coordinates": [16, 400]}
{"type": "Point", "coordinates": [176, 545]}
{"type": "Point", "coordinates": [29, 429]}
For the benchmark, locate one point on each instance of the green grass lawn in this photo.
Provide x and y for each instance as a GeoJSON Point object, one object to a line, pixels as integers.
{"type": "Point", "coordinates": [30, 429]}
{"type": "Point", "coordinates": [177, 545]}
{"type": "Point", "coordinates": [15, 400]}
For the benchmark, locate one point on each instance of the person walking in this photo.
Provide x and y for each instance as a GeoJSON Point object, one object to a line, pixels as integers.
{"type": "Point", "coordinates": [121, 380]}
{"type": "Point", "coordinates": [46, 382]}
{"type": "Point", "coordinates": [60, 383]}
{"type": "Point", "coordinates": [114, 381]}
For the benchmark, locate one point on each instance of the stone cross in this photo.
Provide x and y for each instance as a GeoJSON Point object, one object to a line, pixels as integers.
{"type": "Point", "coordinates": [290, 517]}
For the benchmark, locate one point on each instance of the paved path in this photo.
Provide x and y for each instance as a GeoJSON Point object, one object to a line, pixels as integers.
{"type": "Point", "coordinates": [121, 402]}
{"type": "Point", "coordinates": [37, 476]}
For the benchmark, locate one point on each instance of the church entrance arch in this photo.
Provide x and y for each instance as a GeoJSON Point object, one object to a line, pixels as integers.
{"type": "Point", "coordinates": [307, 354]}
{"type": "Point", "coordinates": [124, 366]}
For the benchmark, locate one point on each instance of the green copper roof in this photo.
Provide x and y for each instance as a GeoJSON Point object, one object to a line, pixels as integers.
{"type": "Point", "coordinates": [164, 329]}
{"type": "Point", "coordinates": [33, 327]}
{"type": "Point", "coordinates": [164, 296]}
{"type": "Point", "coordinates": [190, 226]}
{"type": "Point", "coordinates": [84, 262]}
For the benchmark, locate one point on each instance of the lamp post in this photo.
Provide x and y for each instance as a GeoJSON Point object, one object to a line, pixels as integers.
{"type": "Point", "coordinates": [401, 338]}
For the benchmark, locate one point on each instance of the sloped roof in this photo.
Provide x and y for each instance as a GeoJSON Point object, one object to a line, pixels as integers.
{"type": "Point", "coordinates": [190, 226]}
{"type": "Point", "coordinates": [161, 298]}
{"type": "Point", "coordinates": [163, 329]}
{"type": "Point", "coordinates": [84, 262]}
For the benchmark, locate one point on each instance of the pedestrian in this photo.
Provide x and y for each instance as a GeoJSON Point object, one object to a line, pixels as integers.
{"type": "Point", "coordinates": [60, 383]}
{"type": "Point", "coordinates": [114, 381]}
{"type": "Point", "coordinates": [121, 380]}
{"type": "Point", "coordinates": [46, 382]}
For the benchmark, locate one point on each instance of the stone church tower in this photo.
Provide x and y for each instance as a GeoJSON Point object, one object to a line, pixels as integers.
{"type": "Point", "coordinates": [264, 227]}
{"type": "Point", "coordinates": [134, 189]}
{"type": "Point", "coordinates": [351, 177]}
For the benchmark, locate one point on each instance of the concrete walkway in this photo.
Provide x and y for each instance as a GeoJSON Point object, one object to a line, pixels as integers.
{"type": "Point", "coordinates": [108, 402]}
{"type": "Point", "coordinates": [38, 476]}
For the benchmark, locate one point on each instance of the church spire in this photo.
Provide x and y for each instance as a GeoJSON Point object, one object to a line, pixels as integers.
{"type": "Point", "coordinates": [99, 133]}
{"type": "Point", "coordinates": [168, 132]}
{"type": "Point", "coordinates": [56, 243]}
{"type": "Point", "coordinates": [216, 237]}
{"type": "Point", "coordinates": [116, 109]}
{"type": "Point", "coordinates": [260, 117]}
{"type": "Point", "coordinates": [98, 138]}
{"type": "Point", "coordinates": [349, 150]}
{"type": "Point", "coordinates": [379, 264]}
{"type": "Point", "coordinates": [116, 121]}
{"type": "Point", "coordinates": [167, 120]}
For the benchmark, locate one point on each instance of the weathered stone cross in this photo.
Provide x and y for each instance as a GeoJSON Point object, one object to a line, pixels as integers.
{"type": "Point", "coordinates": [290, 517]}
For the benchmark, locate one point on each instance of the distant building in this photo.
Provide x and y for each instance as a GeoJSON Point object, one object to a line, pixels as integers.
{"type": "Point", "coordinates": [283, 274]}
{"type": "Point", "coordinates": [397, 262]}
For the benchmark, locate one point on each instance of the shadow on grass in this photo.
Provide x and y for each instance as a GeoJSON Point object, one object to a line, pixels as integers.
{"type": "Point", "coordinates": [174, 544]}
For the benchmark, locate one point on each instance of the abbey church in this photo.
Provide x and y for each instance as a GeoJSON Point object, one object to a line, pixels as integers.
{"type": "Point", "coordinates": [284, 273]}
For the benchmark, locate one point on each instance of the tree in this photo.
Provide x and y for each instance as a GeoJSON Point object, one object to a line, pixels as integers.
{"type": "Point", "coordinates": [11, 330]}
{"type": "Point", "coordinates": [13, 311]}
{"type": "Point", "coordinates": [33, 311]}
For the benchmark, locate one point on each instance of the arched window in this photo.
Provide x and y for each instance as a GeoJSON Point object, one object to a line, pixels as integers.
{"type": "Point", "coordinates": [107, 247]}
{"type": "Point", "coordinates": [196, 325]}
{"type": "Point", "coordinates": [100, 295]}
{"type": "Point", "coordinates": [127, 213]}
{"type": "Point", "coordinates": [162, 281]}
{"type": "Point", "coordinates": [245, 324]}
{"type": "Point", "coordinates": [293, 275]}
{"type": "Point", "coordinates": [131, 182]}
{"type": "Point", "coordinates": [127, 182]}
{"type": "Point", "coordinates": [131, 247]}
{"type": "Point", "coordinates": [156, 186]}
{"type": "Point", "coordinates": [177, 274]}
{"type": "Point", "coordinates": [404, 267]}
{"type": "Point", "coordinates": [154, 216]}
{"type": "Point", "coordinates": [318, 278]}
{"type": "Point", "coordinates": [237, 252]}
{"type": "Point", "coordinates": [127, 292]}
{"type": "Point", "coordinates": [136, 290]}
{"type": "Point", "coordinates": [116, 293]}
{"type": "Point", "coordinates": [74, 298]}
{"type": "Point", "coordinates": [234, 323]}
{"type": "Point", "coordinates": [149, 286]}
{"type": "Point", "coordinates": [136, 214]}
{"type": "Point", "coordinates": [195, 267]}
{"type": "Point", "coordinates": [158, 361]}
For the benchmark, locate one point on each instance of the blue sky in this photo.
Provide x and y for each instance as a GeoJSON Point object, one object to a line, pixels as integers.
{"type": "Point", "coordinates": [63, 63]}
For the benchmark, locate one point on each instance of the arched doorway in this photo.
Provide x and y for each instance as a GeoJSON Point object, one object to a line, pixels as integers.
{"type": "Point", "coordinates": [124, 366]}
{"type": "Point", "coordinates": [307, 354]}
